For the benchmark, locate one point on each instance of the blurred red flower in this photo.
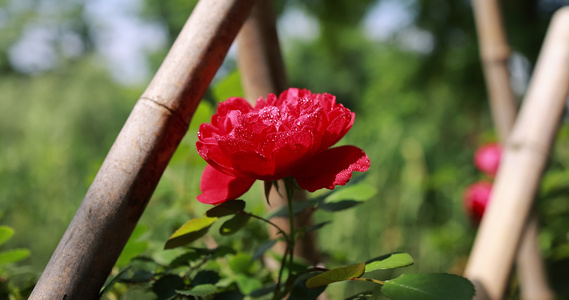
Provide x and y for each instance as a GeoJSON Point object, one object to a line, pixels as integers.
{"type": "Point", "coordinates": [476, 198]}
{"type": "Point", "coordinates": [487, 158]}
{"type": "Point", "coordinates": [279, 137]}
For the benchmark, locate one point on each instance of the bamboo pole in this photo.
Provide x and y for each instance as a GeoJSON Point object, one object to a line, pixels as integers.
{"type": "Point", "coordinates": [137, 159]}
{"type": "Point", "coordinates": [494, 55]}
{"type": "Point", "coordinates": [262, 72]}
{"type": "Point", "coordinates": [524, 160]}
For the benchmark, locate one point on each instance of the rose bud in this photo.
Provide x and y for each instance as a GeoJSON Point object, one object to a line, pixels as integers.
{"type": "Point", "coordinates": [476, 198]}
{"type": "Point", "coordinates": [487, 158]}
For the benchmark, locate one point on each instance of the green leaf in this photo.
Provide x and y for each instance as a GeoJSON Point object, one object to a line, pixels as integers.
{"type": "Point", "coordinates": [6, 234]}
{"type": "Point", "coordinates": [317, 226]}
{"type": "Point", "coordinates": [361, 296]}
{"type": "Point", "coordinates": [110, 285]}
{"type": "Point", "coordinates": [226, 209]}
{"type": "Point", "coordinates": [230, 86]}
{"type": "Point", "coordinates": [356, 192]}
{"type": "Point", "coordinates": [13, 255]}
{"type": "Point", "coordinates": [335, 275]}
{"type": "Point", "coordinates": [300, 291]}
{"type": "Point", "coordinates": [185, 259]}
{"type": "Point", "coordinates": [297, 207]}
{"type": "Point", "coordinates": [205, 277]}
{"type": "Point", "coordinates": [240, 263]}
{"type": "Point", "coordinates": [389, 261]}
{"type": "Point", "coordinates": [234, 224]}
{"type": "Point", "coordinates": [263, 291]}
{"type": "Point", "coordinates": [438, 286]}
{"type": "Point", "coordinates": [199, 290]}
{"type": "Point", "coordinates": [263, 248]}
{"type": "Point", "coordinates": [166, 287]}
{"type": "Point", "coordinates": [203, 114]}
{"type": "Point", "coordinates": [246, 284]}
{"type": "Point", "coordinates": [134, 246]}
{"type": "Point", "coordinates": [339, 205]}
{"type": "Point", "coordinates": [189, 232]}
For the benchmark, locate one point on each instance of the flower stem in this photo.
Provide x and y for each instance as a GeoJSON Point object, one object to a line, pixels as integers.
{"type": "Point", "coordinates": [289, 186]}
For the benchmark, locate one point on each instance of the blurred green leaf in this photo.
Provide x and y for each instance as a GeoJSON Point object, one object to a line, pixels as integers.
{"type": "Point", "coordinates": [300, 291]}
{"type": "Point", "coordinates": [389, 261]}
{"type": "Point", "coordinates": [6, 234]}
{"type": "Point", "coordinates": [189, 232]}
{"type": "Point", "coordinates": [226, 209]}
{"type": "Point", "coordinates": [240, 263]}
{"type": "Point", "coordinates": [13, 255]}
{"type": "Point", "coordinates": [338, 205]}
{"type": "Point", "coordinates": [185, 258]}
{"type": "Point", "coordinates": [356, 192]}
{"type": "Point", "coordinates": [202, 115]}
{"type": "Point", "coordinates": [317, 226]}
{"type": "Point", "coordinates": [234, 224]}
{"type": "Point", "coordinates": [134, 246]}
{"type": "Point", "coordinates": [297, 207]}
{"type": "Point", "coordinates": [230, 86]}
{"type": "Point", "coordinates": [436, 286]}
{"type": "Point", "coordinates": [263, 248]}
{"type": "Point", "coordinates": [205, 277]}
{"type": "Point", "coordinates": [199, 290]}
{"type": "Point", "coordinates": [361, 296]}
{"type": "Point", "coordinates": [335, 275]}
{"type": "Point", "coordinates": [166, 286]}
{"type": "Point", "coordinates": [260, 292]}
{"type": "Point", "coordinates": [111, 283]}
{"type": "Point", "coordinates": [247, 284]}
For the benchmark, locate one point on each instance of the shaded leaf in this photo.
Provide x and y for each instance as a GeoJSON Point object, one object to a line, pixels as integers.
{"type": "Point", "coordinates": [300, 291]}
{"type": "Point", "coordinates": [134, 246]}
{"type": "Point", "coordinates": [199, 290]}
{"type": "Point", "coordinates": [166, 287]}
{"type": "Point", "coordinates": [439, 286]}
{"type": "Point", "coordinates": [189, 232]}
{"type": "Point", "coordinates": [297, 207]}
{"type": "Point", "coordinates": [205, 277]}
{"type": "Point", "coordinates": [317, 226]}
{"type": "Point", "coordinates": [111, 283]}
{"type": "Point", "coordinates": [13, 255]}
{"type": "Point", "coordinates": [335, 275]}
{"type": "Point", "coordinates": [339, 205]}
{"type": "Point", "coordinates": [234, 224]}
{"type": "Point", "coordinates": [389, 261]}
{"type": "Point", "coordinates": [263, 291]}
{"type": "Point", "coordinates": [140, 276]}
{"type": "Point", "coordinates": [240, 263]}
{"type": "Point", "coordinates": [6, 234]}
{"type": "Point", "coordinates": [226, 208]}
{"type": "Point", "coordinates": [361, 296]}
{"type": "Point", "coordinates": [263, 248]}
{"type": "Point", "coordinates": [185, 259]}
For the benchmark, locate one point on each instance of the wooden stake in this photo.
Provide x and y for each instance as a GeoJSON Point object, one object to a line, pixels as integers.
{"type": "Point", "coordinates": [137, 159]}
{"type": "Point", "coordinates": [494, 55]}
{"type": "Point", "coordinates": [262, 72]}
{"type": "Point", "coordinates": [524, 160]}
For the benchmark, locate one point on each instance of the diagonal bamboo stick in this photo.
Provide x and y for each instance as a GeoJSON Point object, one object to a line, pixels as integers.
{"type": "Point", "coordinates": [262, 72]}
{"type": "Point", "coordinates": [494, 55]}
{"type": "Point", "coordinates": [137, 159]}
{"type": "Point", "coordinates": [524, 160]}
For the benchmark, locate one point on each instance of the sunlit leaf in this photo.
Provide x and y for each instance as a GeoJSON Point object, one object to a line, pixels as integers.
{"type": "Point", "coordinates": [13, 255]}
{"type": "Point", "coordinates": [226, 209]}
{"type": "Point", "coordinates": [230, 86]}
{"type": "Point", "coordinates": [199, 290]}
{"type": "Point", "coordinates": [439, 286]}
{"type": "Point", "coordinates": [389, 261]}
{"type": "Point", "coordinates": [335, 275]}
{"type": "Point", "coordinates": [240, 263]}
{"type": "Point", "coordinates": [247, 284]}
{"type": "Point", "coordinates": [134, 246]}
{"type": "Point", "coordinates": [234, 224]}
{"type": "Point", "coordinates": [189, 232]}
{"type": "Point", "coordinates": [6, 234]}
{"type": "Point", "coordinates": [203, 113]}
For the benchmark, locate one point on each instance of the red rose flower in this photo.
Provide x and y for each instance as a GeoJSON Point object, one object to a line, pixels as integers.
{"type": "Point", "coordinates": [279, 137]}
{"type": "Point", "coordinates": [487, 158]}
{"type": "Point", "coordinates": [476, 199]}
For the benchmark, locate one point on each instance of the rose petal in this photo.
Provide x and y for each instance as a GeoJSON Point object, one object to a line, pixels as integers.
{"type": "Point", "coordinates": [332, 167]}
{"type": "Point", "coordinates": [217, 187]}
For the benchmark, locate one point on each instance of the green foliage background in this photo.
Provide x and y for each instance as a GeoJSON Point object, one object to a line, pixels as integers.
{"type": "Point", "coordinates": [420, 117]}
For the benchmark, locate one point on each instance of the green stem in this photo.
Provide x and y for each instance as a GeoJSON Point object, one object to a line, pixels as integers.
{"type": "Point", "coordinates": [289, 186]}
{"type": "Point", "coordinates": [285, 236]}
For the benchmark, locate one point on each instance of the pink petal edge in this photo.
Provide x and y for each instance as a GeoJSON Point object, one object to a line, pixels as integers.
{"type": "Point", "coordinates": [218, 187]}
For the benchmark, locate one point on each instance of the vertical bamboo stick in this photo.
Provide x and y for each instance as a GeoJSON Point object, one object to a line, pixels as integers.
{"type": "Point", "coordinates": [494, 55]}
{"type": "Point", "coordinates": [524, 160]}
{"type": "Point", "coordinates": [262, 72]}
{"type": "Point", "coordinates": [137, 159]}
